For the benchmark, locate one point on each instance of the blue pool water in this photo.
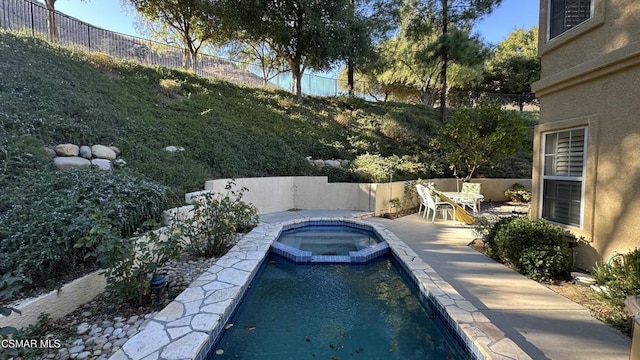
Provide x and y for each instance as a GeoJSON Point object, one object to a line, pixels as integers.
{"type": "Point", "coordinates": [333, 312]}
{"type": "Point", "coordinates": [329, 240]}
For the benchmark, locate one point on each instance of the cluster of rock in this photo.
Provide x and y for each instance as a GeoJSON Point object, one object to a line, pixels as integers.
{"type": "Point", "coordinates": [337, 163]}
{"type": "Point", "coordinates": [98, 336]}
{"type": "Point", "coordinates": [99, 341]}
{"type": "Point", "coordinates": [69, 156]}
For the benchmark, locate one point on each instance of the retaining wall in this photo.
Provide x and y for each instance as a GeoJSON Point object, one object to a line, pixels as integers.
{"type": "Point", "coordinates": [271, 194]}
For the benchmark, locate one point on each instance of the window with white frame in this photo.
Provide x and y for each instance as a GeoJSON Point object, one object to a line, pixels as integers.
{"type": "Point", "coordinates": [563, 176]}
{"type": "Point", "coordinates": [565, 14]}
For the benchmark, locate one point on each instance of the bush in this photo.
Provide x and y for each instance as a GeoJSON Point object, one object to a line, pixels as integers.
{"type": "Point", "coordinates": [518, 193]}
{"type": "Point", "coordinates": [378, 168]}
{"type": "Point", "coordinates": [134, 262]}
{"type": "Point", "coordinates": [489, 238]}
{"type": "Point", "coordinates": [394, 130]}
{"type": "Point", "coordinates": [620, 276]}
{"type": "Point", "coordinates": [335, 174]}
{"type": "Point", "coordinates": [216, 220]}
{"type": "Point", "coordinates": [537, 249]}
{"type": "Point", "coordinates": [8, 286]}
{"type": "Point", "coordinates": [42, 222]}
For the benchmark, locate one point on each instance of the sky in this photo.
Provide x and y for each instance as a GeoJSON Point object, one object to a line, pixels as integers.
{"type": "Point", "coordinates": [109, 14]}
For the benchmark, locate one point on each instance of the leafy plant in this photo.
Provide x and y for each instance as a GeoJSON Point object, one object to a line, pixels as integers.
{"type": "Point", "coordinates": [66, 221]}
{"type": "Point", "coordinates": [518, 193]}
{"type": "Point", "coordinates": [132, 264]}
{"type": "Point", "coordinates": [620, 277]}
{"type": "Point", "coordinates": [9, 285]}
{"type": "Point", "coordinates": [480, 136]}
{"type": "Point", "coordinates": [378, 168]}
{"type": "Point", "coordinates": [481, 228]}
{"type": "Point", "coordinates": [489, 239]}
{"type": "Point", "coordinates": [215, 220]}
{"type": "Point", "coordinates": [536, 248]}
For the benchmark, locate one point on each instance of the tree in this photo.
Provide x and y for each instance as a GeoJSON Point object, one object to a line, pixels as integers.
{"type": "Point", "coordinates": [52, 25]}
{"type": "Point", "coordinates": [412, 67]}
{"type": "Point", "coordinates": [51, 20]}
{"type": "Point", "coordinates": [369, 23]}
{"type": "Point", "coordinates": [480, 136]}
{"type": "Point", "coordinates": [259, 55]}
{"type": "Point", "coordinates": [412, 58]}
{"type": "Point", "coordinates": [454, 18]}
{"type": "Point", "coordinates": [192, 22]}
{"type": "Point", "coordinates": [515, 64]}
{"type": "Point", "coordinates": [306, 33]}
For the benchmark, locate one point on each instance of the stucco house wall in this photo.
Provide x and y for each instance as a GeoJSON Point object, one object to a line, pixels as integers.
{"type": "Point", "coordinates": [591, 77]}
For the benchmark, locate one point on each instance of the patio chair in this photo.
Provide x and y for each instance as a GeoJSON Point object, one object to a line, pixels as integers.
{"type": "Point", "coordinates": [423, 201]}
{"type": "Point", "coordinates": [471, 188]}
{"type": "Point", "coordinates": [434, 204]}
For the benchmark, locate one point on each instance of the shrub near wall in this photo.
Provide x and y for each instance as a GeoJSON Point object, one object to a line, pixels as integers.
{"type": "Point", "coordinates": [43, 224]}
{"type": "Point", "coordinates": [620, 276]}
{"type": "Point", "coordinates": [536, 248]}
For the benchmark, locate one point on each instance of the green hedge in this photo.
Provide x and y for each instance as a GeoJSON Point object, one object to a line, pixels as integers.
{"type": "Point", "coordinates": [536, 248]}
{"type": "Point", "coordinates": [40, 224]}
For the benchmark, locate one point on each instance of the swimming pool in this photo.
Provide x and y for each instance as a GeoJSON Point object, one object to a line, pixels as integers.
{"type": "Point", "coordinates": [333, 311]}
{"type": "Point", "coordinates": [189, 326]}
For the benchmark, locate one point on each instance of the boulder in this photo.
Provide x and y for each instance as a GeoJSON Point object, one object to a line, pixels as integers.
{"type": "Point", "coordinates": [67, 150]}
{"type": "Point", "coordinates": [103, 152]}
{"type": "Point", "coordinates": [50, 152]}
{"type": "Point", "coordinates": [318, 163]}
{"type": "Point", "coordinates": [116, 150]}
{"type": "Point", "coordinates": [332, 163]}
{"type": "Point", "coordinates": [85, 152]}
{"type": "Point", "coordinates": [173, 149]}
{"type": "Point", "coordinates": [345, 163]}
{"type": "Point", "coordinates": [102, 164]}
{"type": "Point", "coordinates": [70, 162]}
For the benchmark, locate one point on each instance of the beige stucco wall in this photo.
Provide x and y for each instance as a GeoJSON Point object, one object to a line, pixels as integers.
{"type": "Point", "coordinates": [270, 194]}
{"type": "Point", "coordinates": [57, 303]}
{"type": "Point", "coordinates": [591, 77]}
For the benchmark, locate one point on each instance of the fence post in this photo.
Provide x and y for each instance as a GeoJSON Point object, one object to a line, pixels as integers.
{"type": "Point", "coordinates": [33, 33]}
{"type": "Point", "coordinates": [89, 36]}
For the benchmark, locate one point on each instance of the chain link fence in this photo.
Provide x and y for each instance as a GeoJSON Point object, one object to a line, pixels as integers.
{"type": "Point", "coordinates": [32, 17]}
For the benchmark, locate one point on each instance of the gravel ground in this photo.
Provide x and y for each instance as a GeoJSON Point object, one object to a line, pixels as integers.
{"type": "Point", "coordinates": [99, 328]}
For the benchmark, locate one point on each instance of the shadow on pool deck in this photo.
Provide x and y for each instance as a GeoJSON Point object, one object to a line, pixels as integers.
{"type": "Point", "coordinates": [543, 323]}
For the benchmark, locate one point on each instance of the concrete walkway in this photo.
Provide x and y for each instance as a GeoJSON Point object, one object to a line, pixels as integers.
{"type": "Point", "coordinates": [543, 323]}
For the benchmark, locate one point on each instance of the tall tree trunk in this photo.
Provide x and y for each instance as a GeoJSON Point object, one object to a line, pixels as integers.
{"type": "Point", "coordinates": [445, 61]}
{"type": "Point", "coordinates": [350, 82]}
{"type": "Point", "coordinates": [51, 20]}
{"type": "Point", "coordinates": [350, 66]}
{"type": "Point", "coordinates": [186, 56]}
{"type": "Point", "coordinates": [424, 97]}
{"type": "Point", "coordinates": [296, 77]}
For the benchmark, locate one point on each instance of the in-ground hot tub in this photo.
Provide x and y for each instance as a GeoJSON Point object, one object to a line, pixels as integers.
{"type": "Point", "coordinates": [329, 242]}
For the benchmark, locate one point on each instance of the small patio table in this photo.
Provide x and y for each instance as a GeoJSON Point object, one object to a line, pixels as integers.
{"type": "Point", "coordinates": [465, 198]}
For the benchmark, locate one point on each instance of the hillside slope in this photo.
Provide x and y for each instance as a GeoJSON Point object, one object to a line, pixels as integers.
{"type": "Point", "coordinates": [57, 224]}
{"type": "Point", "coordinates": [58, 95]}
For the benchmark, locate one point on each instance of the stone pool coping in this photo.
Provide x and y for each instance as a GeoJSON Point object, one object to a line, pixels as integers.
{"type": "Point", "coordinates": [189, 325]}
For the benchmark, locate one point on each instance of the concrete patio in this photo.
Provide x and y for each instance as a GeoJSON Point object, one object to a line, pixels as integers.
{"type": "Point", "coordinates": [543, 323]}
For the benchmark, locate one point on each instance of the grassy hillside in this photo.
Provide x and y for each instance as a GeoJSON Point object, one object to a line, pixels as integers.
{"type": "Point", "coordinates": [54, 224]}
{"type": "Point", "coordinates": [57, 95]}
